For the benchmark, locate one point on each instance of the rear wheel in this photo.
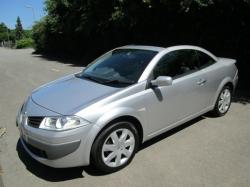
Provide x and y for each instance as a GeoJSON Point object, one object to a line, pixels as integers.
{"type": "Point", "coordinates": [115, 147]}
{"type": "Point", "coordinates": [223, 102]}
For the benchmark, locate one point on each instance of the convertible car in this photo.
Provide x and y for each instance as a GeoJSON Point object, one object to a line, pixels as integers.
{"type": "Point", "coordinates": [127, 96]}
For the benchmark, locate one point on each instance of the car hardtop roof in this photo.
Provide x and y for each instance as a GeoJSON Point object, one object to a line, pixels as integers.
{"type": "Point", "coordinates": [143, 47]}
{"type": "Point", "coordinates": [158, 49]}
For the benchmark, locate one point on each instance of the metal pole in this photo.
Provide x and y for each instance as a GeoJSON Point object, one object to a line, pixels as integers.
{"type": "Point", "coordinates": [8, 34]}
{"type": "Point", "coordinates": [34, 16]}
{"type": "Point", "coordinates": [33, 11]}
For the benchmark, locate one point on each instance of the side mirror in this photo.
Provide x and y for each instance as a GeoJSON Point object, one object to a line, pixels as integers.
{"type": "Point", "coordinates": [162, 81]}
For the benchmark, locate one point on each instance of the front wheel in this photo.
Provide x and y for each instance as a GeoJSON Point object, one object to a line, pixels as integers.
{"type": "Point", "coordinates": [115, 147]}
{"type": "Point", "coordinates": [223, 102]}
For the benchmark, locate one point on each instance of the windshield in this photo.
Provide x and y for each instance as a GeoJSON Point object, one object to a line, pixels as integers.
{"type": "Point", "coordinates": [119, 68]}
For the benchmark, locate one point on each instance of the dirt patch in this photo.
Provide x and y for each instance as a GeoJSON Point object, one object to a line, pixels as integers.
{"type": "Point", "coordinates": [2, 131]}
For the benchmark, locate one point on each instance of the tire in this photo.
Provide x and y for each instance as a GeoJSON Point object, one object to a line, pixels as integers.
{"type": "Point", "coordinates": [115, 147]}
{"type": "Point", "coordinates": [223, 99]}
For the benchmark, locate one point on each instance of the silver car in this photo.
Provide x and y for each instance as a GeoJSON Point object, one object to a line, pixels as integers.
{"type": "Point", "coordinates": [125, 97]}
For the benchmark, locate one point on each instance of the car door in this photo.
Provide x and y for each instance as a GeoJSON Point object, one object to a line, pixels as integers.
{"type": "Point", "coordinates": [212, 74]}
{"type": "Point", "coordinates": [170, 104]}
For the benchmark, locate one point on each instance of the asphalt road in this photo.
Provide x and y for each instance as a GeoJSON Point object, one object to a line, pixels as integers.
{"type": "Point", "coordinates": [204, 152]}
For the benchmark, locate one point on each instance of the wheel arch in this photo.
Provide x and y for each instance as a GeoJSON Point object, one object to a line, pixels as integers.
{"type": "Point", "coordinates": [129, 118]}
{"type": "Point", "coordinates": [226, 82]}
{"type": "Point", "coordinates": [230, 85]}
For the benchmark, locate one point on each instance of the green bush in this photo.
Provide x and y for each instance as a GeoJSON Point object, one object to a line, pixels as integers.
{"type": "Point", "coordinates": [24, 43]}
{"type": "Point", "coordinates": [39, 35]}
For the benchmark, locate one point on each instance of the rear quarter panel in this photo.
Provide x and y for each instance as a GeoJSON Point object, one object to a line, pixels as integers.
{"type": "Point", "coordinates": [218, 75]}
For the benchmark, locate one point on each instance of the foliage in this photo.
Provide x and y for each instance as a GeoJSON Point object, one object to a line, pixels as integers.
{"type": "Point", "coordinates": [27, 33]}
{"type": "Point", "coordinates": [24, 43]}
{"type": "Point", "coordinates": [19, 29]}
{"type": "Point", "coordinates": [12, 35]}
{"type": "Point", "coordinates": [39, 35]}
{"type": "Point", "coordinates": [3, 32]}
{"type": "Point", "coordinates": [6, 33]}
{"type": "Point", "coordinates": [89, 27]}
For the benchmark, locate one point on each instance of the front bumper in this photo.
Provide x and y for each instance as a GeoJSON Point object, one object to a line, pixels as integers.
{"type": "Point", "coordinates": [56, 149]}
{"type": "Point", "coordinates": [49, 151]}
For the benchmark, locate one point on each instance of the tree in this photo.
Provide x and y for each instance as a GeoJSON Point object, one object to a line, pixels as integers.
{"type": "Point", "coordinates": [19, 29]}
{"type": "Point", "coordinates": [4, 32]}
{"type": "Point", "coordinates": [39, 35]}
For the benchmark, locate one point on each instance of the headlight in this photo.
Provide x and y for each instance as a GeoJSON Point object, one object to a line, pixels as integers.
{"type": "Point", "coordinates": [62, 123]}
{"type": "Point", "coordinates": [19, 118]}
{"type": "Point", "coordinates": [20, 115]}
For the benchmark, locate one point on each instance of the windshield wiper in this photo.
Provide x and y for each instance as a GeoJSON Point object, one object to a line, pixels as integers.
{"type": "Point", "coordinates": [115, 81]}
{"type": "Point", "coordinates": [90, 78]}
{"type": "Point", "coordinates": [119, 81]}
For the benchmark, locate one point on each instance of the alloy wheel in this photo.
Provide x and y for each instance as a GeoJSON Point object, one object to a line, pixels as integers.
{"type": "Point", "coordinates": [224, 101]}
{"type": "Point", "coordinates": [118, 147]}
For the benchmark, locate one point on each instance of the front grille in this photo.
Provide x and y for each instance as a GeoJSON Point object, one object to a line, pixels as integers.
{"type": "Point", "coordinates": [34, 121]}
{"type": "Point", "coordinates": [36, 151]}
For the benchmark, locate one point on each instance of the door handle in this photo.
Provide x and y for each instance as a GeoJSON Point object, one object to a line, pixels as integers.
{"type": "Point", "coordinates": [201, 82]}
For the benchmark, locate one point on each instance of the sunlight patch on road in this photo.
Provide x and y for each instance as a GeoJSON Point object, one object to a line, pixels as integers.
{"type": "Point", "coordinates": [54, 69]}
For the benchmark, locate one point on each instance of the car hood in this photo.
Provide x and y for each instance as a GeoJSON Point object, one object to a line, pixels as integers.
{"type": "Point", "coordinates": [69, 95]}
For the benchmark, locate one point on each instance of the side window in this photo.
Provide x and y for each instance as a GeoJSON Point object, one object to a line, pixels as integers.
{"type": "Point", "coordinates": [204, 59]}
{"type": "Point", "coordinates": [176, 64]}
